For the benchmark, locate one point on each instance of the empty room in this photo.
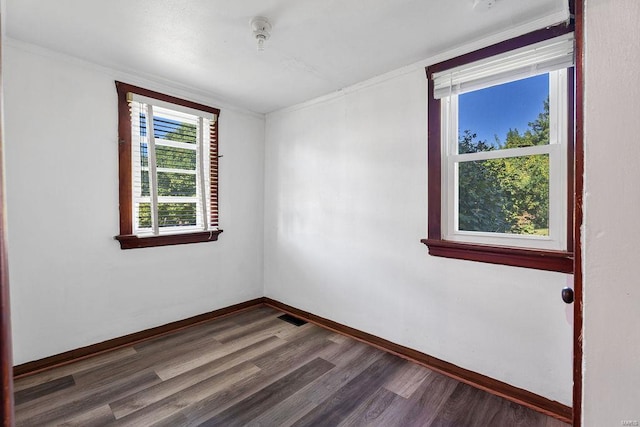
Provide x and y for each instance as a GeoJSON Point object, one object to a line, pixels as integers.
{"type": "Point", "coordinates": [322, 213]}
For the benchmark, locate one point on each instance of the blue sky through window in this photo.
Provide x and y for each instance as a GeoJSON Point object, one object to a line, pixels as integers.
{"type": "Point", "coordinates": [161, 126]}
{"type": "Point", "coordinates": [495, 110]}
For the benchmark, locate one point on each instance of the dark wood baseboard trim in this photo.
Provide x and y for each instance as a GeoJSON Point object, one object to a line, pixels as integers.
{"type": "Point", "coordinates": [518, 395]}
{"type": "Point", "coordinates": [71, 356]}
{"type": "Point", "coordinates": [499, 388]}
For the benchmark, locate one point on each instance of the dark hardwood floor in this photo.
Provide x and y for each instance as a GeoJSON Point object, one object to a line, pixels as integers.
{"type": "Point", "coordinates": [253, 368]}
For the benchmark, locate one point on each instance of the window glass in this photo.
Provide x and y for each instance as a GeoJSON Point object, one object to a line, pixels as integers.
{"type": "Point", "coordinates": [176, 170]}
{"type": "Point", "coordinates": [169, 214]}
{"type": "Point", "coordinates": [505, 195]}
{"type": "Point", "coordinates": [514, 114]}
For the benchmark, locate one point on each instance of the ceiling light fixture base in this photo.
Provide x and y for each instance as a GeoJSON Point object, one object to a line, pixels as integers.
{"type": "Point", "coordinates": [261, 29]}
{"type": "Point", "coordinates": [483, 4]}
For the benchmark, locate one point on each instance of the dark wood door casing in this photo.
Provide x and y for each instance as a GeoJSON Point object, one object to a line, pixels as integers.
{"type": "Point", "coordinates": [6, 357]}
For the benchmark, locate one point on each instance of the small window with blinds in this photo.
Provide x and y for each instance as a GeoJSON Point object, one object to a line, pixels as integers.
{"type": "Point", "coordinates": [168, 169]}
{"type": "Point", "coordinates": [500, 153]}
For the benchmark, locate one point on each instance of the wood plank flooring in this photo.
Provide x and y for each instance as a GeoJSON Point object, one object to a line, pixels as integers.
{"type": "Point", "coordinates": [255, 369]}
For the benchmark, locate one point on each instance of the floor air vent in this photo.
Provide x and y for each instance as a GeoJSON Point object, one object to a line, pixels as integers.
{"type": "Point", "coordinates": [293, 320]}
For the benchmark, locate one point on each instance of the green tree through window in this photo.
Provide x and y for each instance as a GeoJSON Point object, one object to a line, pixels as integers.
{"type": "Point", "coordinates": [506, 195]}
{"type": "Point", "coordinates": [172, 183]}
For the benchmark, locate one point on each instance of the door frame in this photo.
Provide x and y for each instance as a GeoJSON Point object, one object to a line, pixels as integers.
{"type": "Point", "coordinates": [6, 354]}
{"type": "Point", "coordinates": [576, 8]}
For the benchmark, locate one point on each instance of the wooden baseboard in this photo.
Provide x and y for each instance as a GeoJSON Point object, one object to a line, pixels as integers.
{"type": "Point", "coordinates": [71, 356]}
{"type": "Point", "coordinates": [499, 388]}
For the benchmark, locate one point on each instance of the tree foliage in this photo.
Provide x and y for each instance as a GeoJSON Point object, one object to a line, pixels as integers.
{"type": "Point", "coordinates": [508, 195]}
{"type": "Point", "coordinates": [173, 183]}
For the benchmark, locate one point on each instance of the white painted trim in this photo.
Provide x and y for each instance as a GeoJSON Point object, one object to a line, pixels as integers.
{"type": "Point", "coordinates": [173, 170]}
{"type": "Point", "coordinates": [153, 173]}
{"type": "Point", "coordinates": [179, 199]}
{"type": "Point", "coordinates": [504, 153]}
{"type": "Point", "coordinates": [134, 77]}
{"type": "Point", "coordinates": [170, 109]}
{"type": "Point", "coordinates": [192, 93]}
{"type": "Point", "coordinates": [159, 84]}
{"type": "Point", "coordinates": [201, 190]}
{"type": "Point", "coordinates": [544, 22]}
{"type": "Point", "coordinates": [175, 144]}
{"type": "Point", "coordinates": [530, 60]}
{"type": "Point", "coordinates": [169, 199]}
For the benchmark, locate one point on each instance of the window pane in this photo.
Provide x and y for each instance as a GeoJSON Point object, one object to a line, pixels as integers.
{"type": "Point", "coordinates": [509, 195]}
{"type": "Point", "coordinates": [144, 215]}
{"type": "Point", "coordinates": [173, 130]}
{"type": "Point", "coordinates": [175, 158]}
{"type": "Point", "coordinates": [144, 154]}
{"type": "Point", "coordinates": [170, 184]}
{"type": "Point", "coordinates": [176, 184]}
{"type": "Point", "coordinates": [169, 128]}
{"type": "Point", "coordinates": [176, 214]}
{"type": "Point", "coordinates": [144, 183]}
{"type": "Point", "coordinates": [169, 214]}
{"type": "Point", "coordinates": [510, 115]}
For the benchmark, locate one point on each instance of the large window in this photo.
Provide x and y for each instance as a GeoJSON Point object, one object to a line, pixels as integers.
{"type": "Point", "coordinates": [168, 169]}
{"type": "Point", "coordinates": [501, 153]}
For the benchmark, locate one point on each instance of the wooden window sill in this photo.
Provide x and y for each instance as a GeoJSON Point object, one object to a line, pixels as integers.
{"type": "Point", "coordinates": [131, 241]}
{"type": "Point", "coordinates": [559, 261]}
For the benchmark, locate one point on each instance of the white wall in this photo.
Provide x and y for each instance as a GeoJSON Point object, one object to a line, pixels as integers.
{"type": "Point", "coordinates": [612, 204]}
{"type": "Point", "coordinates": [71, 284]}
{"type": "Point", "coordinates": [345, 209]}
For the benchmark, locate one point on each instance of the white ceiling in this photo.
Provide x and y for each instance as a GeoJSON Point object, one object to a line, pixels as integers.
{"type": "Point", "coordinates": [316, 46]}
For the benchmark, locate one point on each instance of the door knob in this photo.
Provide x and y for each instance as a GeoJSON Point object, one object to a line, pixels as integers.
{"type": "Point", "coordinates": [567, 295]}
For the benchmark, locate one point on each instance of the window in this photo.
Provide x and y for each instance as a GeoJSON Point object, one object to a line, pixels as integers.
{"type": "Point", "coordinates": [168, 169]}
{"type": "Point", "coordinates": [501, 153]}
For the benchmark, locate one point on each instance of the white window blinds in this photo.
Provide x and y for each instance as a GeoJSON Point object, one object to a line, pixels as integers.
{"type": "Point", "coordinates": [538, 58]}
{"type": "Point", "coordinates": [172, 176]}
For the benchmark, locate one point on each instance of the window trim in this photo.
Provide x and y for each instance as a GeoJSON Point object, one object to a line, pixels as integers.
{"type": "Point", "coordinates": [127, 239]}
{"type": "Point", "coordinates": [551, 260]}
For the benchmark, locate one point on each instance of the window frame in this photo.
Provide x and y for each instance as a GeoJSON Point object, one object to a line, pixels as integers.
{"type": "Point", "coordinates": [127, 239]}
{"type": "Point", "coordinates": [556, 151]}
{"type": "Point", "coordinates": [437, 243]}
